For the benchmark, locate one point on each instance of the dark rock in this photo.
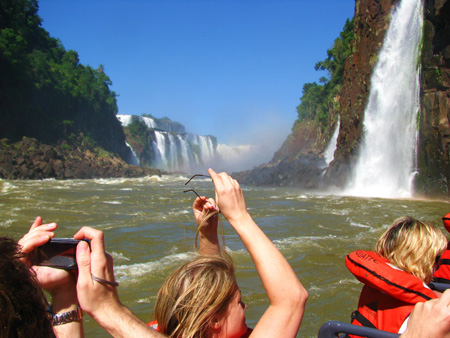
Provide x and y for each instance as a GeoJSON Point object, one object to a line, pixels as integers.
{"type": "Point", "coordinates": [30, 159]}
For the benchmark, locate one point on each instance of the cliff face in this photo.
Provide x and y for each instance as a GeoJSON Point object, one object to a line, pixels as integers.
{"type": "Point", "coordinates": [31, 159]}
{"type": "Point", "coordinates": [434, 127]}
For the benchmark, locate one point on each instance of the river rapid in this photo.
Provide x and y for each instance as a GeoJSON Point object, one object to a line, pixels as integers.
{"type": "Point", "coordinates": [149, 229]}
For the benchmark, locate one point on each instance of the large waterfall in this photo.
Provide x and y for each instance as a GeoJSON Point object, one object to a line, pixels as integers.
{"type": "Point", "coordinates": [172, 149]}
{"type": "Point", "coordinates": [386, 163]}
{"type": "Point", "coordinates": [187, 153]}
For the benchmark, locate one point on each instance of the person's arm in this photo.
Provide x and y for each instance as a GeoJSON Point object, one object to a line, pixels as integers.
{"type": "Point", "coordinates": [99, 297]}
{"type": "Point", "coordinates": [430, 319]}
{"type": "Point", "coordinates": [286, 294]}
{"type": "Point", "coordinates": [60, 284]}
{"type": "Point", "coordinates": [206, 215]}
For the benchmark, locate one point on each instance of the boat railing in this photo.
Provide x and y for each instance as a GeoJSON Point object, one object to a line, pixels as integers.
{"type": "Point", "coordinates": [439, 286]}
{"type": "Point", "coordinates": [334, 329]}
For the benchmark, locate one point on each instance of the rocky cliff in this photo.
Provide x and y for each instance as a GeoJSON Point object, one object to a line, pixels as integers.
{"type": "Point", "coordinates": [31, 159]}
{"type": "Point", "coordinates": [434, 127]}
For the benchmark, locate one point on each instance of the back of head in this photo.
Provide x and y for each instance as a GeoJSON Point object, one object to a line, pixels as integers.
{"type": "Point", "coordinates": [22, 302]}
{"type": "Point", "coordinates": [193, 295]}
{"type": "Point", "coordinates": [412, 246]}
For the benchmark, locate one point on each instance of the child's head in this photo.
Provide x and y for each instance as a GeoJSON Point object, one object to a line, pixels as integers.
{"type": "Point", "coordinates": [196, 298]}
{"type": "Point", "coordinates": [412, 246]}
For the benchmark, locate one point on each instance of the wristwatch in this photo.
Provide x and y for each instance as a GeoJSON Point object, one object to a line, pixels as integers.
{"type": "Point", "coordinates": [67, 317]}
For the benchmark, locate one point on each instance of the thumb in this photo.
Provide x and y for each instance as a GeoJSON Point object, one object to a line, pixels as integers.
{"type": "Point", "coordinates": [84, 263]}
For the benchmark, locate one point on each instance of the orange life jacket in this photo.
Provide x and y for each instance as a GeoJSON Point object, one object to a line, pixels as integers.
{"type": "Point", "coordinates": [389, 294]}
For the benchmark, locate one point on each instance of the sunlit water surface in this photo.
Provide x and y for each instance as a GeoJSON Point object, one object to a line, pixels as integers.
{"type": "Point", "coordinates": [150, 229]}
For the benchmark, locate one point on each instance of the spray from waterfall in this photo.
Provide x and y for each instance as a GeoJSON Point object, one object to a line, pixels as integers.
{"type": "Point", "coordinates": [385, 167]}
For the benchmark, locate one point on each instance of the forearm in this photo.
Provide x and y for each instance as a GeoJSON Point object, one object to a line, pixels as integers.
{"type": "Point", "coordinates": [120, 322]}
{"type": "Point", "coordinates": [209, 243]}
{"type": "Point", "coordinates": [65, 302]}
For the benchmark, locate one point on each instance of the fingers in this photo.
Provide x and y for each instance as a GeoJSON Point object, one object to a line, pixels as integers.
{"type": "Point", "coordinates": [83, 256]}
{"type": "Point", "coordinates": [198, 203]}
{"type": "Point", "coordinates": [445, 298]}
{"type": "Point", "coordinates": [229, 196]}
{"type": "Point", "coordinates": [37, 222]}
{"type": "Point", "coordinates": [222, 180]}
{"type": "Point", "coordinates": [98, 254]}
{"type": "Point", "coordinates": [38, 235]}
{"type": "Point", "coordinates": [210, 205]}
{"type": "Point", "coordinates": [203, 204]}
{"type": "Point", "coordinates": [100, 264]}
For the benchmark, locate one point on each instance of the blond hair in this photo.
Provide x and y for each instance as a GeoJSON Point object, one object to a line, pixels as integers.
{"type": "Point", "coordinates": [412, 246]}
{"type": "Point", "coordinates": [194, 295]}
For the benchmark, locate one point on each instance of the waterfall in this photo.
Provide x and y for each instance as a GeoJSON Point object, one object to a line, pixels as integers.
{"type": "Point", "coordinates": [385, 167]}
{"type": "Point", "coordinates": [133, 157]}
{"type": "Point", "coordinates": [171, 149]}
{"type": "Point", "coordinates": [152, 122]}
{"type": "Point", "coordinates": [187, 153]}
{"type": "Point", "coordinates": [329, 152]}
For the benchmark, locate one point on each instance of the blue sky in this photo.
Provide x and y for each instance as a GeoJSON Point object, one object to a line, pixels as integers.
{"type": "Point", "coordinates": [228, 68]}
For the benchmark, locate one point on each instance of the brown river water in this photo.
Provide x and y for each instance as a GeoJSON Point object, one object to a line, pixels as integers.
{"type": "Point", "coordinates": [150, 230]}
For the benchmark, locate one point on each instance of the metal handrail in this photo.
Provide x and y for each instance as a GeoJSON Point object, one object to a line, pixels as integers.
{"type": "Point", "coordinates": [439, 286]}
{"type": "Point", "coordinates": [332, 329]}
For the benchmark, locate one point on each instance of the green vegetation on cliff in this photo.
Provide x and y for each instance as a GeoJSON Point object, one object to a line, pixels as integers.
{"type": "Point", "coordinates": [45, 92]}
{"type": "Point", "coordinates": [318, 99]}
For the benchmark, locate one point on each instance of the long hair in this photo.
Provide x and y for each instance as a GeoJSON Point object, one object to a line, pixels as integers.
{"type": "Point", "coordinates": [194, 295]}
{"type": "Point", "coordinates": [412, 246]}
{"type": "Point", "coordinates": [22, 301]}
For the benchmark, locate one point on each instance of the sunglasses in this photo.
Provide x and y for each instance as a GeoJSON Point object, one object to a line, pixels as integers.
{"type": "Point", "coordinates": [196, 175]}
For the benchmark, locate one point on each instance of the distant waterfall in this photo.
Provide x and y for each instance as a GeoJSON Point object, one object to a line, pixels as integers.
{"type": "Point", "coordinates": [186, 153]}
{"type": "Point", "coordinates": [133, 157]}
{"type": "Point", "coordinates": [385, 167]}
{"type": "Point", "coordinates": [171, 148]}
{"type": "Point", "coordinates": [329, 152]}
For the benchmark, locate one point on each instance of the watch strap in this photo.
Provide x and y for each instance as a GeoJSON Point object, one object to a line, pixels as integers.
{"type": "Point", "coordinates": [67, 317]}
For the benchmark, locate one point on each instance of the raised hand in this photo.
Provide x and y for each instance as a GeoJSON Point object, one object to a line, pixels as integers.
{"type": "Point", "coordinates": [229, 196]}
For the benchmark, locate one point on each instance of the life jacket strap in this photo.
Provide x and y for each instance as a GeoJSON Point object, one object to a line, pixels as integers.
{"type": "Point", "coordinates": [356, 315]}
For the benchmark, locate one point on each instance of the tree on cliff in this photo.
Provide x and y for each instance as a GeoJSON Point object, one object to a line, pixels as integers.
{"type": "Point", "coordinates": [45, 92]}
{"type": "Point", "coordinates": [317, 99]}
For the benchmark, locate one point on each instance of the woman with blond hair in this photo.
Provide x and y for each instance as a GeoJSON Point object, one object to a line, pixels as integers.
{"type": "Point", "coordinates": [396, 274]}
{"type": "Point", "coordinates": [202, 298]}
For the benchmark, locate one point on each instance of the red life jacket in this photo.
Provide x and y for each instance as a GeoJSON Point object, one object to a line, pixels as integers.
{"type": "Point", "coordinates": [389, 294]}
{"type": "Point", "coordinates": [442, 273]}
